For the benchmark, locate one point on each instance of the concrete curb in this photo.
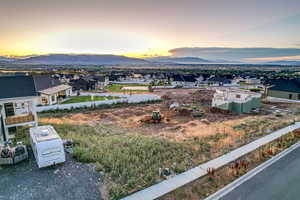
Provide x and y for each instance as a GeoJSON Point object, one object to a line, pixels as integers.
{"type": "Point", "coordinates": [230, 187]}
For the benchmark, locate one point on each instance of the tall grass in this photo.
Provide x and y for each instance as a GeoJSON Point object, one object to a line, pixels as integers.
{"type": "Point", "coordinates": [129, 162]}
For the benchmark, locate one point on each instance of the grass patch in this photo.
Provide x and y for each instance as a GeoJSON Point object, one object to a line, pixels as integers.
{"type": "Point", "coordinates": [258, 128]}
{"type": "Point", "coordinates": [297, 112]}
{"type": "Point", "coordinates": [80, 99]}
{"type": "Point", "coordinates": [118, 88]}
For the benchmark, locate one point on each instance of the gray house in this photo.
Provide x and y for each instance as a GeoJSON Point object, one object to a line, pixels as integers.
{"type": "Point", "coordinates": [285, 89]}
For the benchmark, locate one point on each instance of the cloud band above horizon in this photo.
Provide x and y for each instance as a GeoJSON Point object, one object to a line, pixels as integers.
{"type": "Point", "coordinates": [236, 53]}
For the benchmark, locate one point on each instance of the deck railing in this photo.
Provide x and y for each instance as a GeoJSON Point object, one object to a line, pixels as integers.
{"type": "Point", "coordinates": [19, 119]}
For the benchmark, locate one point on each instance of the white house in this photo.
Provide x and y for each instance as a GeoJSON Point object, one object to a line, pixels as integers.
{"type": "Point", "coordinates": [252, 81]}
{"type": "Point", "coordinates": [237, 101]}
{"type": "Point", "coordinates": [17, 105]}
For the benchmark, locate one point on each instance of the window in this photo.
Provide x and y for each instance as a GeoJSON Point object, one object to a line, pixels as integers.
{"type": "Point", "coordinates": [238, 96]}
{"type": "Point", "coordinates": [53, 98]}
{"type": "Point", "coordinates": [290, 96]}
{"type": "Point", "coordinates": [9, 109]}
{"type": "Point", "coordinates": [298, 96]}
{"type": "Point", "coordinates": [12, 130]}
{"type": "Point", "coordinates": [44, 100]}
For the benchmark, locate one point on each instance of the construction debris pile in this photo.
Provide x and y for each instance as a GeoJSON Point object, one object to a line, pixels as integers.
{"type": "Point", "coordinates": [201, 96]}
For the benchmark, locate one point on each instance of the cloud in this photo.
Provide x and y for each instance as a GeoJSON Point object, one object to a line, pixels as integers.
{"type": "Point", "coordinates": [234, 53]}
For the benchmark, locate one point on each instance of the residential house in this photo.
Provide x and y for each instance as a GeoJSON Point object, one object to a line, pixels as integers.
{"type": "Point", "coordinates": [184, 80]}
{"type": "Point", "coordinates": [18, 99]}
{"type": "Point", "coordinates": [50, 90]}
{"type": "Point", "coordinates": [252, 80]}
{"type": "Point", "coordinates": [284, 88]}
{"type": "Point", "coordinates": [236, 101]}
{"type": "Point", "coordinates": [190, 80]}
{"type": "Point", "coordinates": [218, 81]}
{"type": "Point", "coordinates": [100, 81]}
{"type": "Point", "coordinates": [178, 80]}
{"type": "Point", "coordinates": [83, 84]}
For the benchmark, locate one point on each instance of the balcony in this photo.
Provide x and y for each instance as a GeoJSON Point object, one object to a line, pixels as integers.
{"type": "Point", "coordinates": [19, 119]}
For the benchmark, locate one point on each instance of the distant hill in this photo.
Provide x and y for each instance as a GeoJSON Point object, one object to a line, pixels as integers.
{"type": "Point", "coordinates": [6, 59]}
{"type": "Point", "coordinates": [178, 60]}
{"type": "Point", "coordinates": [80, 59]}
{"type": "Point", "coordinates": [285, 62]}
{"type": "Point", "coordinates": [221, 61]}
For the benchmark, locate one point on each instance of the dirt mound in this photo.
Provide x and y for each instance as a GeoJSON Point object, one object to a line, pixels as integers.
{"type": "Point", "coordinates": [218, 110]}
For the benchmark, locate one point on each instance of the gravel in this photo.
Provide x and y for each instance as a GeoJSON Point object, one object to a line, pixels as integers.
{"type": "Point", "coordinates": [71, 180]}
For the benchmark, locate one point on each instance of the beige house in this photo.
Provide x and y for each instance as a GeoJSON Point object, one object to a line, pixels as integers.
{"type": "Point", "coordinates": [50, 90]}
{"type": "Point", "coordinates": [55, 94]}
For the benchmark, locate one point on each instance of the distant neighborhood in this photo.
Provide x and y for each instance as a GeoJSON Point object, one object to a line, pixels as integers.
{"type": "Point", "coordinates": [236, 93]}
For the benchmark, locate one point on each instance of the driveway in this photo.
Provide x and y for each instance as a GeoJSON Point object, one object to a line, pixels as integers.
{"type": "Point", "coordinates": [70, 180]}
{"type": "Point", "coordinates": [280, 181]}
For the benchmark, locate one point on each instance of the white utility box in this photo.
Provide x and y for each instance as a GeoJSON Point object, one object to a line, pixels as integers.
{"type": "Point", "coordinates": [47, 146]}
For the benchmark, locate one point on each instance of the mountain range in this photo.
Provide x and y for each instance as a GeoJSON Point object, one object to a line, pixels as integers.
{"type": "Point", "coordinates": [179, 60]}
{"type": "Point", "coordinates": [87, 59]}
{"type": "Point", "coordinates": [80, 59]}
{"type": "Point", "coordinates": [285, 62]}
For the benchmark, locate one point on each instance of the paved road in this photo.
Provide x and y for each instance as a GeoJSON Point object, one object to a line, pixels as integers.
{"type": "Point", "coordinates": [280, 181]}
{"type": "Point", "coordinates": [71, 180]}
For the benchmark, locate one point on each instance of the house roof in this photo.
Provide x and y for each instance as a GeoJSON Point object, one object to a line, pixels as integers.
{"type": "Point", "coordinates": [190, 78]}
{"type": "Point", "coordinates": [218, 79]}
{"type": "Point", "coordinates": [100, 78]}
{"type": "Point", "coordinates": [17, 86]}
{"type": "Point", "coordinates": [178, 77]}
{"type": "Point", "coordinates": [43, 82]}
{"type": "Point", "coordinates": [55, 89]}
{"type": "Point", "coordinates": [285, 85]}
{"type": "Point", "coordinates": [95, 78]}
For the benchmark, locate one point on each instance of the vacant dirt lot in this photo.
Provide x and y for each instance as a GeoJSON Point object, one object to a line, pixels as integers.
{"type": "Point", "coordinates": [179, 125]}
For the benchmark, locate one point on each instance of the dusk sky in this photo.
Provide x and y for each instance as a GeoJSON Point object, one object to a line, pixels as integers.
{"type": "Point", "coordinates": [152, 27]}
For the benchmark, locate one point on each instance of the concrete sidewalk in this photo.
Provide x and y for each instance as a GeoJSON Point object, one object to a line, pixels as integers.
{"type": "Point", "coordinates": [177, 181]}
